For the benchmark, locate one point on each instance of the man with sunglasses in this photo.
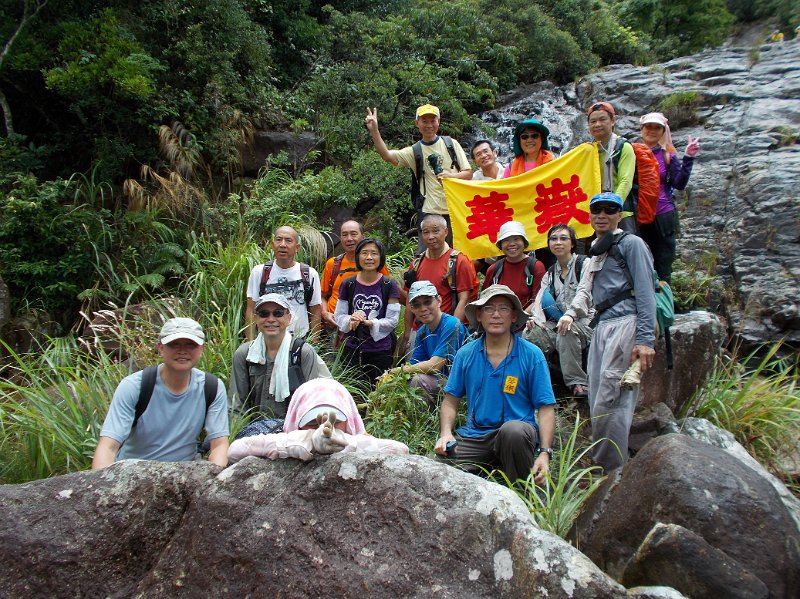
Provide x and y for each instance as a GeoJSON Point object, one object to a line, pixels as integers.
{"type": "Point", "coordinates": [620, 286]}
{"type": "Point", "coordinates": [267, 370]}
{"type": "Point", "coordinates": [506, 382]}
{"type": "Point", "coordinates": [436, 342]}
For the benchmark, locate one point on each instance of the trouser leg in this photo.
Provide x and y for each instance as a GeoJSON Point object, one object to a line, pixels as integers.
{"type": "Point", "coordinates": [666, 229]}
{"type": "Point", "coordinates": [570, 354]}
{"type": "Point", "coordinates": [611, 409]}
{"type": "Point", "coordinates": [430, 384]}
{"type": "Point", "coordinates": [514, 447]}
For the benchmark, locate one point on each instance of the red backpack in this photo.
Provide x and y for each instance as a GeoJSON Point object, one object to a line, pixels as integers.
{"type": "Point", "coordinates": [646, 181]}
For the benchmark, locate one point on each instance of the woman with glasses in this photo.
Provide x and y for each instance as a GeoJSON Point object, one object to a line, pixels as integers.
{"type": "Point", "coordinates": [674, 173]}
{"type": "Point", "coordinates": [531, 148]}
{"type": "Point", "coordinates": [367, 313]}
{"type": "Point", "coordinates": [267, 370]}
{"type": "Point", "coordinates": [558, 289]}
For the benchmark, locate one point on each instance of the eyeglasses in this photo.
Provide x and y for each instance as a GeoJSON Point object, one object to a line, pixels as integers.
{"type": "Point", "coordinates": [420, 302]}
{"type": "Point", "coordinates": [504, 309]}
{"type": "Point", "coordinates": [562, 238]}
{"type": "Point", "coordinates": [607, 208]}
{"type": "Point", "coordinates": [277, 313]}
{"type": "Point", "coordinates": [525, 136]}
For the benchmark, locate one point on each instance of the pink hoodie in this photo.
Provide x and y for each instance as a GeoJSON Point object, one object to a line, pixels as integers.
{"type": "Point", "coordinates": [318, 392]}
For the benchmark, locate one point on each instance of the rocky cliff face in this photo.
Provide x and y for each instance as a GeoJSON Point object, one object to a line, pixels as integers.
{"type": "Point", "coordinates": [739, 216]}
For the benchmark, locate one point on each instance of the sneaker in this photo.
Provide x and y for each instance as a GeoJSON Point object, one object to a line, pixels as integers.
{"type": "Point", "coordinates": [580, 391]}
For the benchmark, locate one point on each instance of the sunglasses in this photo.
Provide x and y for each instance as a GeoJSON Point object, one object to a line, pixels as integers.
{"type": "Point", "coordinates": [525, 136]}
{"type": "Point", "coordinates": [277, 313]}
{"type": "Point", "coordinates": [607, 208]}
{"type": "Point", "coordinates": [424, 301]}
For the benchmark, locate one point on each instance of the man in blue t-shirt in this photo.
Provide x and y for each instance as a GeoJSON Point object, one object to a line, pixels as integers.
{"type": "Point", "coordinates": [506, 381]}
{"type": "Point", "coordinates": [167, 430]}
{"type": "Point", "coordinates": [436, 342]}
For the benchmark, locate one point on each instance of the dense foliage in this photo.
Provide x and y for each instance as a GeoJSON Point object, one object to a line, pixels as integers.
{"type": "Point", "coordinates": [152, 101]}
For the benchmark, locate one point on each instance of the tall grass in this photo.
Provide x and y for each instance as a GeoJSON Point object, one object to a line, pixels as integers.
{"type": "Point", "coordinates": [52, 406]}
{"type": "Point", "coordinates": [555, 504]}
{"type": "Point", "coordinates": [756, 400]}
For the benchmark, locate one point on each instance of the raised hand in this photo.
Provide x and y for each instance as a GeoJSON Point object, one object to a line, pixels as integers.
{"type": "Point", "coordinates": [371, 120]}
{"type": "Point", "coordinates": [693, 146]}
{"type": "Point", "coordinates": [327, 439]}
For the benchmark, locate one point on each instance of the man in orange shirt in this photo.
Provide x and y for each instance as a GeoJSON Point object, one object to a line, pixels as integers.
{"type": "Point", "coordinates": [449, 270]}
{"type": "Point", "coordinates": [338, 268]}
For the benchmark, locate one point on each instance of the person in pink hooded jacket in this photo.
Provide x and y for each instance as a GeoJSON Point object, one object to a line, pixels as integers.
{"type": "Point", "coordinates": [322, 419]}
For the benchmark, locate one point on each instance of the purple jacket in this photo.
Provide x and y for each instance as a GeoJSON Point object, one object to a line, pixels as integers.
{"type": "Point", "coordinates": [679, 172]}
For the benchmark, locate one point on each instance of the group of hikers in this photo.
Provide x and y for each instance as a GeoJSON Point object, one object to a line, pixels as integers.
{"type": "Point", "coordinates": [488, 344]}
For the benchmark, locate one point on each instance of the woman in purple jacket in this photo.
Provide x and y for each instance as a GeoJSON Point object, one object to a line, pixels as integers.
{"type": "Point", "coordinates": [660, 234]}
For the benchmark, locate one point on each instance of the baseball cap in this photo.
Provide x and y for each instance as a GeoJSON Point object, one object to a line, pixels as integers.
{"type": "Point", "coordinates": [510, 229]}
{"type": "Point", "coordinates": [427, 109]}
{"type": "Point", "coordinates": [181, 328]}
{"type": "Point", "coordinates": [311, 415]}
{"type": "Point", "coordinates": [275, 298]}
{"type": "Point", "coordinates": [420, 289]}
{"type": "Point", "coordinates": [602, 106]}
{"type": "Point", "coordinates": [606, 198]}
{"type": "Point", "coordinates": [655, 118]}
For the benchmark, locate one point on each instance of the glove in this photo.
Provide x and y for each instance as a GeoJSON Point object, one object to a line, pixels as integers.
{"type": "Point", "coordinates": [327, 439]}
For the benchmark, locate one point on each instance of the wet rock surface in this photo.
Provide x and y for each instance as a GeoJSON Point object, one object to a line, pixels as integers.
{"type": "Point", "coordinates": [739, 215]}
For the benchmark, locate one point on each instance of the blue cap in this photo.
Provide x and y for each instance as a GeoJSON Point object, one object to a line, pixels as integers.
{"type": "Point", "coordinates": [606, 198]}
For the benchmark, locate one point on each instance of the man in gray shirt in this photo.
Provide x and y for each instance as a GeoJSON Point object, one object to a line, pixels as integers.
{"type": "Point", "coordinates": [167, 430]}
{"type": "Point", "coordinates": [267, 370]}
{"type": "Point", "coordinates": [621, 287]}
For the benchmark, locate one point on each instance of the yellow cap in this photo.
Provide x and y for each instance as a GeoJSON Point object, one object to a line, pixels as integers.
{"type": "Point", "coordinates": [427, 109]}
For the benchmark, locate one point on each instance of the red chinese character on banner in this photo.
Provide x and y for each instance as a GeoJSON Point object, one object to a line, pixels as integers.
{"type": "Point", "coordinates": [488, 213]}
{"type": "Point", "coordinates": [559, 203]}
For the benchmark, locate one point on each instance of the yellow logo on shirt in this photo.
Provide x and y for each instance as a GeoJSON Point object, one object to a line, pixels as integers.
{"type": "Point", "coordinates": [511, 385]}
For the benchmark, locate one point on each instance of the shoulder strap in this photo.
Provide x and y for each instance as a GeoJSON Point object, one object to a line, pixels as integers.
{"type": "Point", "coordinates": [451, 149]}
{"type": "Point", "coordinates": [498, 270]}
{"type": "Point", "coordinates": [417, 261]}
{"type": "Point", "coordinates": [308, 287]}
{"type": "Point", "coordinates": [145, 392]}
{"type": "Point", "coordinates": [617, 152]}
{"type": "Point", "coordinates": [337, 266]}
{"type": "Point", "coordinates": [451, 273]}
{"type": "Point", "coordinates": [552, 271]}
{"type": "Point", "coordinates": [386, 290]}
{"type": "Point", "coordinates": [346, 292]}
{"type": "Point", "coordinates": [296, 376]}
{"type": "Point", "coordinates": [417, 177]}
{"type": "Point", "coordinates": [579, 266]}
{"type": "Point", "coordinates": [262, 289]}
{"type": "Point", "coordinates": [210, 389]}
{"type": "Point", "coordinates": [530, 268]}
{"type": "Point", "coordinates": [614, 252]}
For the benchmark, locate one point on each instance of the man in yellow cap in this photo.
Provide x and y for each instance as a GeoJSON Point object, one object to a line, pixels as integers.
{"type": "Point", "coordinates": [430, 160]}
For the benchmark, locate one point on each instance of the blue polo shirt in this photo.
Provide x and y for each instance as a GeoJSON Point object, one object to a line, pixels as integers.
{"type": "Point", "coordinates": [513, 391]}
{"type": "Point", "coordinates": [443, 342]}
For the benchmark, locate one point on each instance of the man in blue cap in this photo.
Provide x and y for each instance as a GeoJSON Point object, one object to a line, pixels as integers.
{"type": "Point", "coordinates": [621, 287]}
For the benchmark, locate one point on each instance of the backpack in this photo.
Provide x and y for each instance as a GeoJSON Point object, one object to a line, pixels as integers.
{"type": "Point", "coordinates": [337, 269]}
{"type": "Point", "coordinates": [417, 197]}
{"type": "Point", "coordinates": [450, 277]}
{"type": "Point", "coordinates": [296, 376]}
{"type": "Point", "coordinates": [149, 383]}
{"type": "Point", "coordinates": [529, 277]}
{"type": "Point", "coordinates": [305, 276]}
{"type": "Point", "coordinates": [643, 197]}
{"type": "Point", "coordinates": [347, 288]}
{"type": "Point", "coordinates": [578, 268]}
{"type": "Point", "coordinates": [665, 308]}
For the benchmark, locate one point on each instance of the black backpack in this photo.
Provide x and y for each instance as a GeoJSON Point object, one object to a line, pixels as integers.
{"type": "Point", "coordinates": [418, 197]}
{"type": "Point", "coordinates": [149, 383]}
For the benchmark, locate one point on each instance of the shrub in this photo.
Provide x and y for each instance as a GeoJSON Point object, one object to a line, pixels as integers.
{"type": "Point", "coordinates": [757, 400]}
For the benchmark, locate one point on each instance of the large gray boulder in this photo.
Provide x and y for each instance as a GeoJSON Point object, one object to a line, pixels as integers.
{"type": "Point", "coordinates": [739, 216]}
{"type": "Point", "coordinates": [676, 479]}
{"type": "Point", "coordinates": [697, 339]}
{"type": "Point", "coordinates": [346, 526]}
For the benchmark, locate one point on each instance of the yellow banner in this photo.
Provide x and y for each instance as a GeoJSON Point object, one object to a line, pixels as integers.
{"type": "Point", "coordinates": [554, 193]}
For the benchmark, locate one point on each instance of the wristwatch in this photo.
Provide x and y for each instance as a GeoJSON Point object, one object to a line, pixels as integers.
{"type": "Point", "coordinates": [547, 450]}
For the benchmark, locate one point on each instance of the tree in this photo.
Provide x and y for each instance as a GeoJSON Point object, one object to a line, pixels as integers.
{"type": "Point", "coordinates": [30, 8]}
